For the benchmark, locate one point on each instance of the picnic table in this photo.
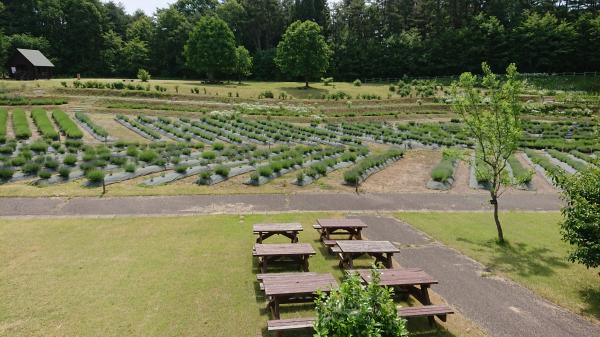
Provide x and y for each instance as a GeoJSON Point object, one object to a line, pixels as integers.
{"type": "Point", "coordinates": [348, 250]}
{"type": "Point", "coordinates": [405, 278]}
{"type": "Point", "coordinates": [294, 288]}
{"type": "Point", "coordinates": [265, 231]}
{"type": "Point", "coordinates": [353, 227]}
{"type": "Point", "coordinates": [296, 252]}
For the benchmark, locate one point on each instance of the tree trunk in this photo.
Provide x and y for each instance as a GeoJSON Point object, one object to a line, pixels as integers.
{"type": "Point", "coordinates": [306, 82]}
{"type": "Point", "coordinates": [494, 202]}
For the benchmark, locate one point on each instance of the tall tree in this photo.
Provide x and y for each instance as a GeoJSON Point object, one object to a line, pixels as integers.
{"type": "Point", "coordinates": [211, 48]}
{"type": "Point", "coordinates": [243, 62]}
{"type": "Point", "coordinates": [170, 35]}
{"type": "Point", "coordinates": [303, 51]}
{"type": "Point", "coordinates": [493, 121]}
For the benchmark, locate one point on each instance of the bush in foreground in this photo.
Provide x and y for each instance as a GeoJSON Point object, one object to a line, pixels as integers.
{"type": "Point", "coordinates": [355, 309]}
{"type": "Point", "coordinates": [95, 176]}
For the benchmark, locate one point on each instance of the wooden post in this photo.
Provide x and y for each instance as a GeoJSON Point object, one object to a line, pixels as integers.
{"type": "Point", "coordinates": [103, 187]}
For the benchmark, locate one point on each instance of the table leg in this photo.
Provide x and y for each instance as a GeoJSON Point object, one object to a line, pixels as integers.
{"type": "Point", "coordinates": [359, 234]}
{"type": "Point", "coordinates": [295, 237]}
{"type": "Point", "coordinates": [275, 307]}
{"type": "Point", "coordinates": [389, 263]}
{"type": "Point", "coordinates": [263, 266]}
{"type": "Point", "coordinates": [305, 263]}
{"type": "Point", "coordinates": [427, 301]}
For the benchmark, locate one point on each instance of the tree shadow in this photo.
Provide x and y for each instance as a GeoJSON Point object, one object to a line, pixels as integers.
{"type": "Point", "coordinates": [519, 257]}
{"type": "Point", "coordinates": [591, 297]}
{"type": "Point", "coordinates": [302, 92]}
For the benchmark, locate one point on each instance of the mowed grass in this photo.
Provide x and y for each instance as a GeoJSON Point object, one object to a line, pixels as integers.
{"type": "Point", "coordinates": [534, 255]}
{"type": "Point", "coordinates": [167, 276]}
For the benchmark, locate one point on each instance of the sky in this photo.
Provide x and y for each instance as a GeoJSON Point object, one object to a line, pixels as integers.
{"type": "Point", "coordinates": [149, 6]}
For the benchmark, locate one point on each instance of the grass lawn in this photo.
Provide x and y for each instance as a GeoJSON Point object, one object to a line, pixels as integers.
{"type": "Point", "coordinates": [534, 256]}
{"type": "Point", "coordinates": [180, 276]}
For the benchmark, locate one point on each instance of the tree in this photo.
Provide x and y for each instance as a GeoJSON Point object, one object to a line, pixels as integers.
{"type": "Point", "coordinates": [358, 310]}
{"type": "Point", "coordinates": [243, 62]}
{"type": "Point", "coordinates": [171, 33]}
{"type": "Point", "coordinates": [112, 53]}
{"type": "Point", "coordinates": [303, 51]}
{"type": "Point", "coordinates": [492, 117]}
{"type": "Point", "coordinates": [581, 224]}
{"type": "Point", "coordinates": [3, 52]}
{"type": "Point", "coordinates": [211, 48]}
{"type": "Point", "coordinates": [142, 29]}
{"type": "Point", "coordinates": [135, 56]}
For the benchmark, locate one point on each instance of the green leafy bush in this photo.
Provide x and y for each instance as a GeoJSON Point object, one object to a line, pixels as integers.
{"type": "Point", "coordinates": [64, 172]}
{"type": "Point", "coordinates": [143, 75]}
{"type": "Point", "coordinates": [209, 155]}
{"type": "Point", "coordinates": [218, 146]}
{"type": "Point", "coordinates": [355, 309]}
{"type": "Point", "coordinates": [98, 130]}
{"type": "Point", "coordinates": [357, 83]}
{"type": "Point", "coordinates": [39, 146]}
{"type": "Point", "coordinates": [70, 159]}
{"type": "Point", "coordinates": [148, 156]}
{"type": "Point", "coordinates": [6, 173]}
{"type": "Point", "coordinates": [130, 168]}
{"type": "Point", "coordinates": [266, 94]}
{"type": "Point", "coordinates": [45, 174]}
{"type": "Point", "coordinates": [95, 176]}
{"type": "Point", "coordinates": [222, 171]}
{"type": "Point", "coordinates": [31, 168]}
{"type": "Point", "coordinates": [181, 169]}
{"type": "Point", "coordinates": [265, 171]}
{"type": "Point", "coordinates": [443, 170]}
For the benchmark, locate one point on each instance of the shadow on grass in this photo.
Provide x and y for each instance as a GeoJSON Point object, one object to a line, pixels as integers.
{"type": "Point", "coordinates": [519, 257]}
{"type": "Point", "coordinates": [591, 297]}
{"type": "Point", "coordinates": [301, 92]}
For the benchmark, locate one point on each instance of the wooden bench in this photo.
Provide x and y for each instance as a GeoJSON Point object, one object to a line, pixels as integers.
{"type": "Point", "coordinates": [261, 277]}
{"type": "Point", "coordinates": [430, 311]}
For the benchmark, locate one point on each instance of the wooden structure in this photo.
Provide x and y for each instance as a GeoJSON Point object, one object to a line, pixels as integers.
{"type": "Point", "coordinates": [265, 231]}
{"type": "Point", "coordinates": [29, 64]}
{"type": "Point", "coordinates": [296, 252]}
{"type": "Point", "coordinates": [351, 227]}
{"type": "Point", "coordinates": [294, 288]}
{"type": "Point", "coordinates": [349, 250]}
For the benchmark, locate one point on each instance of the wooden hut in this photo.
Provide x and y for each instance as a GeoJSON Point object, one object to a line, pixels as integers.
{"type": "Point", "coordinates": [28, 64]}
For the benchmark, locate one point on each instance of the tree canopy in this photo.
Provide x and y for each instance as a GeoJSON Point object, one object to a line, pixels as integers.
{"type": "Point", "coordinates": [375, 38]}
{"type": "Point", "coordinates": [211, 47]}
{"type": "Point", "coordinates": [303, 51]}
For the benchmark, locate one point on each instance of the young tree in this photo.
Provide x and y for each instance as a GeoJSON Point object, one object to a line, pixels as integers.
{"type": "Point", "coordinates": [492, 117]}
{"type": "Point", "coordinates": [211, 47]}
{"type": "Point", "coordinates": [303, 51]}
{"type": "Point", "coordinates": [581, 224]}
{"type": "Point", "coordinates": [243, 62]}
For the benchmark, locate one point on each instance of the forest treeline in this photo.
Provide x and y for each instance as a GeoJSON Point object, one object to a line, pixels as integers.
{"type": "Point", "coordinates": [376, 38]}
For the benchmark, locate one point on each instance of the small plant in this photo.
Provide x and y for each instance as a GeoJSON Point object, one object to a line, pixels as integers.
{"type": "Point", "coordinates": [266, 94]}
{"type": "Point", "coordinates": [265, 171]}
{"type": "Point", "coordinates": [143, 75]}
{"type": "Point", "coordinates": [64, 172]}
{"type": "Point", "coordinates": [327, 81]}
{"type": "Point", "coordinates": [130, 168]}
{"type": "Point", "coordinates": [95, 176]}
{"type": "Point", "coordinates": [44, 174]}
{"type": "Point", "coordinates": [181, 169]}
{"type": "Point", "coordinates": [70, 159]}
{"type": "Point", "coordinates": [31, 168]}
{"type": "Point", "coordinates": [222, 170]}
{"type": "Point", "coordinates": [209, 155]}
{"type": "Point", "coordinates": [6, 173]}
{"type": "Point", "coordinates": [148, 156]}
{"type": "Point", "coordinates": [357, 83]}
{"type": "Point", "coordinates": [218, 146]}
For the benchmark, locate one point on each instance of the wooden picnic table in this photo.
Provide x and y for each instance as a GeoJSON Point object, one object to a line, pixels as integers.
{"type": "Point", "coordinates": [294, 288]}
{"type": "Point", "coordinates": [296, 252]}
{"type": "Point", "coordinates": [265, 231]}
{"type": "Point", "coordinates": [348, 250]}
{"type": "Point", "coordinates": [405, 278]}
{"type": "Point", "coordinates": [353, 227]}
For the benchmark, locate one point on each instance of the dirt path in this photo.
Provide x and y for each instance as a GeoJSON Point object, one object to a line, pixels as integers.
{"type": "Point", "coordinates": [501, 307]}
{"type": "Point", "coordinates": [410, 174]}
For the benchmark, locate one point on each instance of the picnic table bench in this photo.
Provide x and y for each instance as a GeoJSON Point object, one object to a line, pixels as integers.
{"type": "Point", "coordinates": [348, 250]}
{"type": "Point", "coordinates": [352, 227]}
{"type": "Point", "coordinates": [265, 231]}
{"type": "Point", "coordinates": [294, 288]}
{"type": "Point", "coordinates": [296, 252]}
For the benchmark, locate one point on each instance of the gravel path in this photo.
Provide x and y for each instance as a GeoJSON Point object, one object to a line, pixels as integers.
{"type": "Point", "coordinates": [235, 204]}
{"type": "Point", "coordinates": [500, 307]}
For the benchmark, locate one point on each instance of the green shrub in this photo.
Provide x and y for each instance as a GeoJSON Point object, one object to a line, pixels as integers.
{"type": "Point", "coordinates": [351, 177]}
{"type": "Point", "coordinates": [327, 80]}
{"type": "Point", "coordinates": [205, 175]}
{"type": "Point", "coordinates": [95, 176]}
{"type": "Point", "coordinates": [64, 172]}
{"type": "Point", "coordinates": [520, 173]}
{"type": "Point", "coordinates": [265, 171]}
{"type": "Point", "coordinates": [66, 125]}
{"type": "Point", "coordinates": [44, 174]}
{"type": "Point", "coordinates": [218, 146]}
{"type": "Point", "coordinates": [355, 309]}
{"type": "Point", "coordinates": [357, 83]}
{"type": "Point", "coordinates": [70, 159]}
{"type": "Point", "coordinates": [20, 124]}
{"type": "Point", "coordinates": [130, 168]}
{"type": "Point", "coordinates": [443, 170]}
{"type": "Point", "coordinates": [209, 155]}
{"type": "Point", "coordinates": [98, 130]}
{"type": "Point", "coordinates": [266, 94]}
{"type": "Point", "coordinates": [300, 176]}
{"type": "Point", "coordinates": [565, 158]}
{"type": "Point", "coordinates": [222, 171]}
{"type": "Point", "coordinates": [181, 169]}
{"type": "Point", "coordinates": [148, 156]}
{"type": "Point", "coordinates": [31, 168]}
{"type": "Point", "coordinates": [143, 75]}
{"type": "Point", "coordinates": [6, 173]}
{"type": "Point", "coordinates": [18, 161]}
{"type": "Point", "coordinates": [39, 146]}
{"type": "Point", "coordinates": [3, 123]}
{"type": "Point", "coordinates": [41, 120]}
{"type": "Point", "coordinates": [51, 164]}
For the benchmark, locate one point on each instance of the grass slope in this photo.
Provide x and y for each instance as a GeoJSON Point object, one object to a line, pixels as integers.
{"type": "Point", "coordinates": [533, 257]}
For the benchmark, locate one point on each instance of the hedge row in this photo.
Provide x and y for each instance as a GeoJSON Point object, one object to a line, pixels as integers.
{"type": "Point", "coordinates": [541, 160]}
{"type": "Point", "coordinates": [354, 175]}
{"type": "Point", "coordinates": [520, 173]}
{"type": "Point", "coordinates": [20, 124]}
{"type": "Point", "coordinates": [3, 121]}
{"type": "Point", "coordinates": [66, 125]}
{"type": "Point", "coordinates": [98, 130]}
{"type": "Point", "coordinates": [18, 100]}
{"type": "Point", "coordinates": [565, 158]}
{"type": "Point", "coordinates": [444, 170]}
{"type": "Point", "coordinates": [43, 123]}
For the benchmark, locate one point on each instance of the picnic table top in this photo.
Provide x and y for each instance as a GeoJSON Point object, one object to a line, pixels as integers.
{"type": "Point", "coordinates": [282, 249]}
{"type": "Point", "coordinates": [398, 277]}
{"type": "Point", "coordinates": [298, 283]}
{"type": "Point", "coordinates": [342, 223]}
{"type": "Point", "coordinates": [276, 227]}
{"type": "Point", "coordinates": [366, 246]}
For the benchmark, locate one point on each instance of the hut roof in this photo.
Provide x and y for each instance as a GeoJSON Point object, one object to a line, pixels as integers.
{"type": "Point", "coordinates": [36, 57]}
